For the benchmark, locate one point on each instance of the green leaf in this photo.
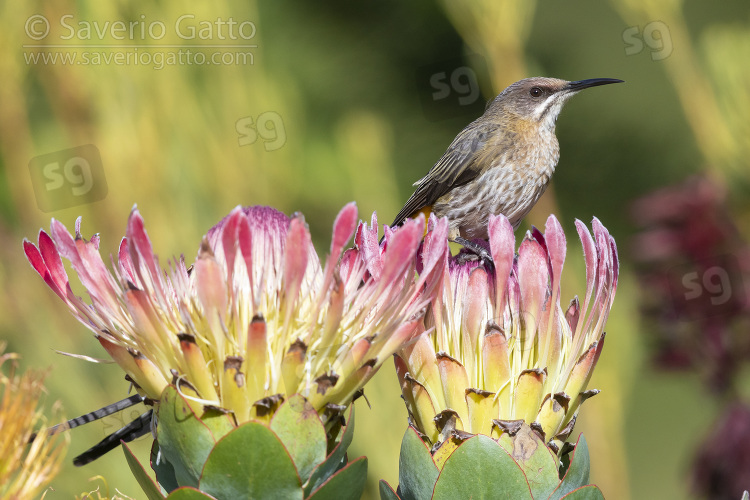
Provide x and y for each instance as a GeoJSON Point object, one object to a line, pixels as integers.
{"type": "Point", "coordinates": [346, 484]}
{"type": "Point", "coordinates": [149, 487]}
{"type": "Point", "coordinates": [184, 440]}
{"type": "Point", "coordinates": [417, 472]}
{"type": "Point", "coordinates": [218, 422]}
{"type": "Point", "coordinates": [479, 468]}
{"type": "Point", "coordinates": [335, 460]}
{"type": "Point", "coordinates": [564, 466]}
{"type": "Point", "coordinates": [386, 492]}
{"type": "Point", "coordinates": [589, 492]}
{"type": "Point", "coordinates": [578, 471]}
{"type": "Point", "coordinates": [250, 462]}
{"type": "Point", "coordinates": [189, 493]}
{"type": "Point", "coordinates": [164, 471]}
{"type": "Point", "coordinates": [298, 426]}
{"type": "Point", "coordinates": [535, 459]}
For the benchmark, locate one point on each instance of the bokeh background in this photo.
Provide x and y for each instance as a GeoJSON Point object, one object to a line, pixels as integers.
{"type": "Point", "coordinates": [338, 101]}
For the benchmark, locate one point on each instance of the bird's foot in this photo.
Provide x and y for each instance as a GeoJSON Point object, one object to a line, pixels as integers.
{"type": "Point", "coordinates": [475, 252]}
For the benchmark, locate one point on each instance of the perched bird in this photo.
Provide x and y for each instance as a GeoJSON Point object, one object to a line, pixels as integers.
{"type": "Point", "coordinates": [500, 163]}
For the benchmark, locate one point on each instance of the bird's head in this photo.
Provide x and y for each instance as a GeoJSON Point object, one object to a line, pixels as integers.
{"type": "Point", "coordinates": [539, 100]}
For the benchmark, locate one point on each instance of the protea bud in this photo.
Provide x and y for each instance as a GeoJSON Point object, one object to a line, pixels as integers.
{"type": "Point", "coordinates": [504, 356]}
{"type": "Point", "coordinates": [255, 320]}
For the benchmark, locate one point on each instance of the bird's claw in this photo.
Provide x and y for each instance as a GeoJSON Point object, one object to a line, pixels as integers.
{"type": "Point", "coordinates": [475, 252]}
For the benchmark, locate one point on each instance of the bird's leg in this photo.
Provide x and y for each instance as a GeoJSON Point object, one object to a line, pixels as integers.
{"type": "Point", "coordinates": [478, 252]}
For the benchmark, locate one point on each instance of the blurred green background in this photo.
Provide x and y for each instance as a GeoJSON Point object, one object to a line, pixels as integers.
{"type": "Point", "coordinates": [337, 101]}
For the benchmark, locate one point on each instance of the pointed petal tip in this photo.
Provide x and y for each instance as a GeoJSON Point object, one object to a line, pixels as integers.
{"type": "Point", "coordinates": [344, 227]}
{"type": "Point", "coordinates": [79, 219]}
{"type": "Point", "coordinates": [499, 219]}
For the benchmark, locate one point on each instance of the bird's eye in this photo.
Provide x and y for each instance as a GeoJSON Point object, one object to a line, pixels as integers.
{"type": "Point", "coordinates": [535, 92]}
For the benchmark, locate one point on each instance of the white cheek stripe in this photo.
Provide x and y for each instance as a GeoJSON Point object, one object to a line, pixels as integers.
{"type": "Point", "coordinates": [555, 103]}
{"type": "Point", "coordinates": [542, 106]}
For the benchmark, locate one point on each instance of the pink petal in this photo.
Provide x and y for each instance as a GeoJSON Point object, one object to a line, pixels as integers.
{"type": "Point", "coordinates": [435, 244]}
{"type": "Point", "coordinates": [589, 254]}
{"type": "Point", "coordinates": [401, 249]}
{"type": "Point", "coordinates": [126, 264]}
{"type": "Point", "coordinates": [405, 333]}
{"type": "Point", "coordinates": [369, 248]}
{"type": "Point", "coordinates": [572, 314]}
{"type": "Point", "coordinates": [348, 265]}
{"type": "Point", "coordinates": [343, 228]}
{"type": "Point", "coordinates": [245, 244]}
{"type": "Point", "coordinates": [210, 284]}
{"type": "Point", "coordinates": [89, 266]}
{"type": "Point", "coordinates": [53, 262]}
{"type": "Point", "coordinates": [434, 258]}
{"type": "Point", "coordinates": [229, 242]}
{"type": "Point", "coordinates": [142, 254]}
{"type": "Point", "coordinates": [37, 262]}
{"type": "Point", "coordinates": [297, 251]}
{"type": "Point", "coordinates": [556, 247]}
{"type": "Point", "coordinates": [615, 264]}
{"type": "Point", "coordinates": [502, 248]}
{"type": "Point", "coordinates": [533, 279]}
{"type": "Point", "coordinates": [539, 237]}
{"type": "Point", "coordinates": [474, 313]}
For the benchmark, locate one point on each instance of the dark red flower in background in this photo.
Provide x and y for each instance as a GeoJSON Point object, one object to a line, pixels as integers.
{"type": "Point", "coordinates": [694, 271]}
{"type": "Point", "coordinates": [722, 467]}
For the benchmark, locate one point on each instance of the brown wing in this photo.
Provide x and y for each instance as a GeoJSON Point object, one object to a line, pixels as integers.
{"type": "Point", "coordinates": [455, 168]}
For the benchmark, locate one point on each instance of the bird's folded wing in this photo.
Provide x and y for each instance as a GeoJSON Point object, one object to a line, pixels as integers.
{"type": "Point", "coordinates": [455, 168]}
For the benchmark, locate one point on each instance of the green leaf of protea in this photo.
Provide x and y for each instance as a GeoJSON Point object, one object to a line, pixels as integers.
{"type": "Point", "coordinates": [164, 471]}
{"type": "Point", "coordinates": [417, 472]}
{"type": "Point", "coordinates": [298, 426]}
{"type": "Point", "coordinates": [346, 484]}
{"type": "Point", "coordinates": [335, 460]}
{"type": "Point", "coordinates": [149, 487]}
{"type": "Point", "coordinates": [577, 474]}
{"type": "Point", "coordinates": [516, 465]}
{"type": "Point", "coordinates": [251, 462]}
{"type": "Point", "coordinates": [480, 468]}
{"type": "Point", "coordinates": [536, 460]}
{"type": "Point", "coordinates": [184, 439]}
{"type": "Point", "coordinates": [386, 492]}
{"type": "Point", "coordinates": [189, 493]}
{"type": "Point", "coordinates": [589, 492]}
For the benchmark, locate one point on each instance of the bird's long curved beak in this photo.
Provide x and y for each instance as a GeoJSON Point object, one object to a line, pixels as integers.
{"type": "Point", "coordinates": [592, 82]}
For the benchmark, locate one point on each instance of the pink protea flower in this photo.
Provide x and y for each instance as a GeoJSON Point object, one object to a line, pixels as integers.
{"type": "Point", "coordinates": [256, 317]}
{"type": "Point", "coordinates": [503, 350]}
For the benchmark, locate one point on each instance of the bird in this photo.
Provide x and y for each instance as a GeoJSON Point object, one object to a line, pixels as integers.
{"type": "Point", "coordinates": [501, 163]}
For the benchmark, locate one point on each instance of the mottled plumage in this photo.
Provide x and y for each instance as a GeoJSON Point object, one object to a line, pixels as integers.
{"type": "Point", "coordinates": [500, 163]}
